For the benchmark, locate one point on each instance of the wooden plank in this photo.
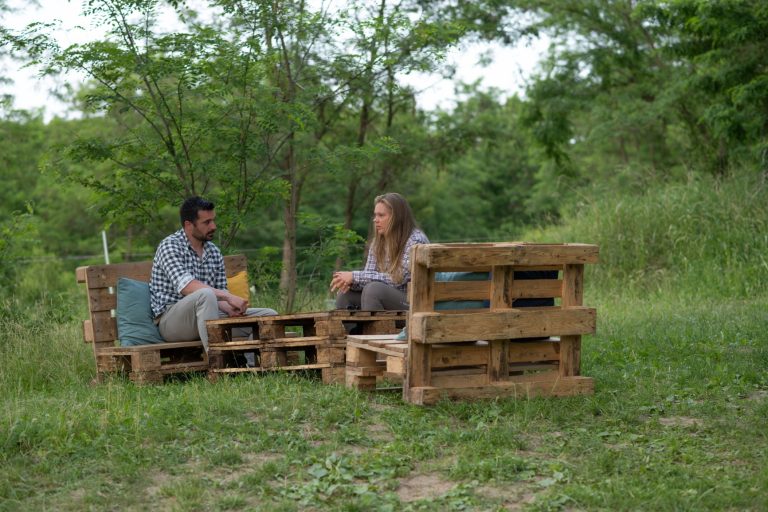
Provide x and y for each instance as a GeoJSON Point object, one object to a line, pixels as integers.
{"type": "Point", "coordinates": [100, 299]}
{"type": "Point", "coordinates": [366, 371]}
{"type": "Point", "coordinates": [439, 256]}
{"type": "Point", "coordinates": [462, 290]}
{"type": "Point", "coordinates": [270, 369]}
{"type": "Point", "coordinates": [570, 346]}
{"type": "Point", "coordinates": [502, 284]}
{"type": "Point", "coordinates": [422, 298]}
{"type": "Point", "coordinates": [453, 355]}
{"type": "Point", "coordinates": [331, 355]}
{"type": "Point", "coordinates": [238, 345]}
{"type": "Point", "coordinates": [333, 375]}
{"type": "Point", "coordinates": [359, 382]}
{"type": "Point", "coordinates": [302, 341]}
{"type": "Point", "coordinates": [480, 290]}
{"type": "Point", "coordinates": [235, 263]}
{"type": "Point", "coordinates": [372, 337]}
{"type": "Point", "coordinates": [468, 378]}
{"type": "Point", "coordinates": [358, 356]}
{"type": "Point", "coordinates": [151, 347]}
{"type": "Point", "coordinates": [88, 336]}
{"type": "Point", "coordinates": [195, 366]}
{"type": "Point", "coordinates": [358, 315]}
{"type": "Point", "coordinates": [395, 365]}
{"type": "Point", "coordinates": [568, 386]}
{"type": "Point", "coordinates": [396, 351]}
{"type": "Point", "coordinates": [518, 268]}
{"type": "Point", "coordinates": [534, 351]}
{"type": "Point", "coordinates": [104, 326]}
{"type": "Point", "coordinates": [103, 276]}
{"type": "Point", "coordinates": [80, 274]}
{"type": "Point", "coordinates": [504, 324]}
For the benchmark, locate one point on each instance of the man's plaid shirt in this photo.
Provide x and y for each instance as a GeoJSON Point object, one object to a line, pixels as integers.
{"type": "Point", "coordinates": [176, 264]}
{"type": "Point", "coordinates": [371, 272]}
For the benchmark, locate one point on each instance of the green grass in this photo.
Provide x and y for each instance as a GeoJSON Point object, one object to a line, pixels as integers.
{"type": "Point", "coordinates": [677, 423]}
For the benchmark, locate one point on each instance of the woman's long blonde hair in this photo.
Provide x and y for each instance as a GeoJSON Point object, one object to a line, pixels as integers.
{"type": "Point", "coordinates": [388, 247]}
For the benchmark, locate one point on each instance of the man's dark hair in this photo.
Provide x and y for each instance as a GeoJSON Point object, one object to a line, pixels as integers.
{"type": "Point", "coordinates": [191, 206]}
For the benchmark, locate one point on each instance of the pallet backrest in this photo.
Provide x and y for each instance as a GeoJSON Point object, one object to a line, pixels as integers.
{"type": "Point", "coordinates": [511, 266]}
{"type": "Point", "coordinates": [101, 286]}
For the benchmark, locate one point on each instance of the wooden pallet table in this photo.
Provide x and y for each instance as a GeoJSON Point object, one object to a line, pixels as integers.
{"type": "Point", "coordinates": [314, 341]}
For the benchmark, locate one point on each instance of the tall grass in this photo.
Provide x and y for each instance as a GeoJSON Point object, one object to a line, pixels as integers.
{"type": "Point", "coordinates": [701, 238]}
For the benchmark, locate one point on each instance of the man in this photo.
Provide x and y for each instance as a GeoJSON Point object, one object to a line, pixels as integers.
{"type": "Point", "coordinates": [188, 284]}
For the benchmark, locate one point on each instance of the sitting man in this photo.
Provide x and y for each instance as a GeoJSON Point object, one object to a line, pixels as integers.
{"type": "Point", "coordinates": [188, 284]}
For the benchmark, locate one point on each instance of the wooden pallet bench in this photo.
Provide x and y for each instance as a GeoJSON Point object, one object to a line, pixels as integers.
{"type": "Point", "coordinates": [144, 364]}
{"type": "Point", "coordinates": [503, 350]}
{"type": "Point", "coordinates": [314, 341]}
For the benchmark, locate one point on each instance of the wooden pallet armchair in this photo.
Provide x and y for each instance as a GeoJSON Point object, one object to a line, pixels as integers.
{"type": "Point", "coordinates": [502, 350]}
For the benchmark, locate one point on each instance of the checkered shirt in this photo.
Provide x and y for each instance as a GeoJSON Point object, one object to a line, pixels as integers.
{"type": "Point", "coordinates": [371, 273]}
{"type": "Point", "coordinates": [176, 264]}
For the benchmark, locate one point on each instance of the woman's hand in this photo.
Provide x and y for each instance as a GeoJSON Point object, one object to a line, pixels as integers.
{"type": "Point", "coordinates": [342, 281]}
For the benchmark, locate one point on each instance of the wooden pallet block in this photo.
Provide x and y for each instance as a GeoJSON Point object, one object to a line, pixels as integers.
{"type": "Point", "coordinates": [374, 357]}
{"type": "Point", "coordinates": [147, 364]}
{"type": "Point", "coordinates": [371, 358]}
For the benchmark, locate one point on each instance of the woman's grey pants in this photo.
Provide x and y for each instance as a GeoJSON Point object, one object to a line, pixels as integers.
{"type": "Point", "coordinates": [185, 320]}
{"type": "Point", "coordinates": [375, 296]}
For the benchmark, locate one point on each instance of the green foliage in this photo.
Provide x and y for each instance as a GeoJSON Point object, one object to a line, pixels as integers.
{"type": "Point", "coordinates": [700, 237]}
{"type": "Point", "coordinates": [17, 238]}
{"type": "Point", "coordinates": [191, 114]}
{"type": "Point", "coordinates": [726, 42]}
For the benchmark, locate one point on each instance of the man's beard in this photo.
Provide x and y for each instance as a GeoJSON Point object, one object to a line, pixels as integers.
{"type": "Point", "coordinates": [204, 238]}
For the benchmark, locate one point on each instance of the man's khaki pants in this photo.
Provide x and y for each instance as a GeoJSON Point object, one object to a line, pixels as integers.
{"type": "Point", "coordinates": [185, 320]}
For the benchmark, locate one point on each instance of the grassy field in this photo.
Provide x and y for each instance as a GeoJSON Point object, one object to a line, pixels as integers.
{"type": "Point", "coordinates": [677, 423]}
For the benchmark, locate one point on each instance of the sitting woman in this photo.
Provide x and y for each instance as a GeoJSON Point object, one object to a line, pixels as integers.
{"type": "Point", "coordinates": [382, 283]}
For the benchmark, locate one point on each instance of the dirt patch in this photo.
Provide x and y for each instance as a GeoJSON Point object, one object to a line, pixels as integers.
{"type": "Point", "coordinates": [680, 421]}
{"type": "Point", "coordinates": [159, 481]}
{"type": "Point", "coordinates": [423, 486]}
{"type": "Point", "coordinates": [758, 396]}
{"type": "Point", "coordinates": [512, 497]}
{"type": "Point", "coordinates": [380, 433]}
{"type": "Point", "coordinates": [379, 407]}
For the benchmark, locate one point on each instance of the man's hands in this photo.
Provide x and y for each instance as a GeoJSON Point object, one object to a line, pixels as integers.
{"type": "Point", "coordinates": [233, 305]}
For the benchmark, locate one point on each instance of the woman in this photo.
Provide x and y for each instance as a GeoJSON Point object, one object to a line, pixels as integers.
{"type": "Point", "coordinates": [382, 283]}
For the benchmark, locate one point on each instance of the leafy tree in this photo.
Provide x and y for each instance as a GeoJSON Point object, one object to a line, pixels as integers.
{"type": "Point", "coordinates": [726, 43]}
{"type": "Point", "coordinates": [190, 109]}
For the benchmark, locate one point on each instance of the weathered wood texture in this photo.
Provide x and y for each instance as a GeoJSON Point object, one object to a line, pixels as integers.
{"type": "Point", "coordinates": [298, 342]}
{"type": "Point", "coordinates": [144, 364]}
{"type": "Point", "coordinates": [501, 350]}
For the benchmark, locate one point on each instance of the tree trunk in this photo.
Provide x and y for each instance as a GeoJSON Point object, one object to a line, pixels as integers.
{"type": "Point", "coordinates": [288, 273]}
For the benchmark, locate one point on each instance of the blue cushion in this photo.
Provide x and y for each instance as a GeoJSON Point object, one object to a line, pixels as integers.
{"type": "Point", "coordinates": [135, 324]}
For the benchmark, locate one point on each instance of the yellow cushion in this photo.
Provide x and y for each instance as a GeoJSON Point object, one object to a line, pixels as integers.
{"type": "Point", "coordinates": [238, 285]}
